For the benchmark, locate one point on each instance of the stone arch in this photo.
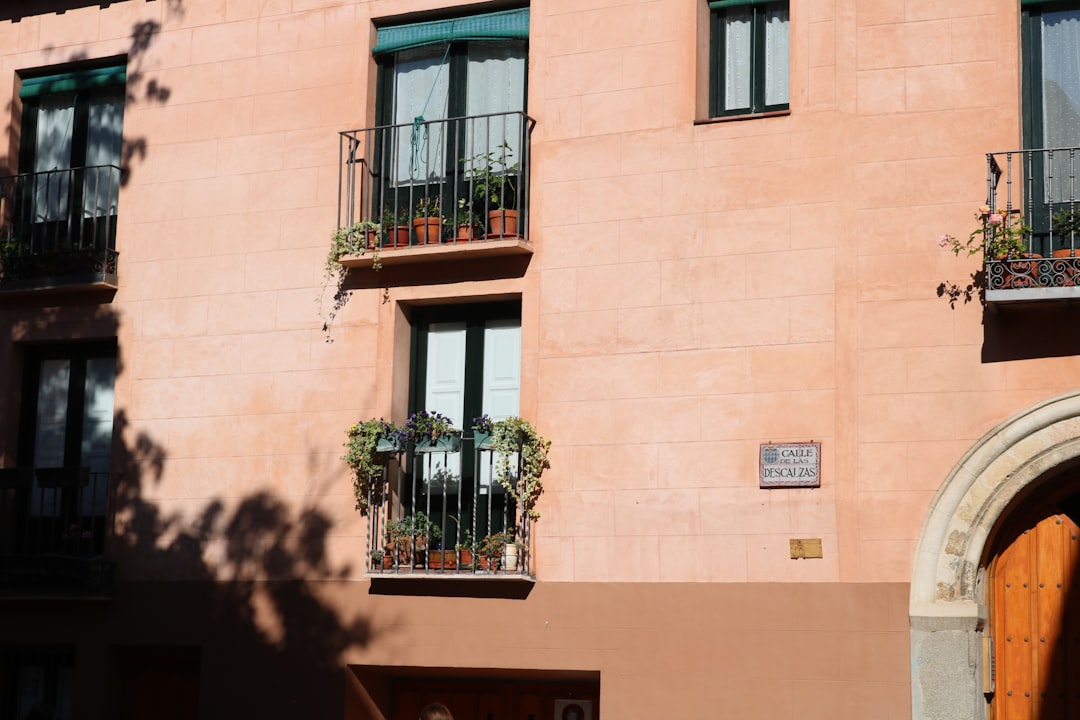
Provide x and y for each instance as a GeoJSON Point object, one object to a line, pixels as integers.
{"type": "Point", "coordinates": [947, 609]}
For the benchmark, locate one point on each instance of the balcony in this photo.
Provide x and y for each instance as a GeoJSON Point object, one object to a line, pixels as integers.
{"type": "Point", "coordinates": [441, 512]}
{"type": "Point", "coordinates": [430, 191]}
{"type": "Point", "coordinates": [1037, 195]}
{"type": "Point", "coordinates": [53, 525]}
{"type": "Point", "coordinates": [58, 230]}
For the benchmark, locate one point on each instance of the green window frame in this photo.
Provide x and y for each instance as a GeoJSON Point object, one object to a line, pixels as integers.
{"type": "Point", "coordinates": [1034, 15]}
{"type": "Point", "coordinates": [474, 321]}
{"type": "Point", "coordinates": [749, 61]}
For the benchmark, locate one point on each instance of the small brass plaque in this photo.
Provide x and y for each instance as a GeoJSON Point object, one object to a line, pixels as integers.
{"type": "Point", "coordinates": [805, 548]}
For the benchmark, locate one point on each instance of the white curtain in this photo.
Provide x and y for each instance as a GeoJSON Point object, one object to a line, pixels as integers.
{"type": "Point", "coordinates": [421, 88]}
{"type": "Point", "coordinates": [103, 145]}
{"type": "Point", "coordinates": [738, 57]}
{"type": "Point", "coordinates": [52, 152]}
{"type": "Point", "coordinates": [1061, 96]}
{"type": "Point", "coordinates": [496, 84]}
{"type": "Point", "coordinates": [777, 57]}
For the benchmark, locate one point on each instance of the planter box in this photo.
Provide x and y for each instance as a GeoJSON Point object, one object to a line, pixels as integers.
{"type": "Point", "coordinates": [388, 445]}
{"type": "Point", "coordinates": [449, 442]}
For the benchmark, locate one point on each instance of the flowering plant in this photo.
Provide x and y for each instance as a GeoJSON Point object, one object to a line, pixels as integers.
{"type": "Point", "coordinates": [427, 424]}
{"type": "Point", "coordinates": [1001, 235]}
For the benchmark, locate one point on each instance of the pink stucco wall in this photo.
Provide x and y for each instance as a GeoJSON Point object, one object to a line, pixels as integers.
{"type": "Point", "coordinates": [698, 287]}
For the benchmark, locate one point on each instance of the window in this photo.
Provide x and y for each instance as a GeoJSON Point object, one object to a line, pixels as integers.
{"type": "Point", "coordinates": [450, 93]}
{"type": "Point", "coordinates": [37, 682]}
{"type": "Point", "coordinates": [1051, 116]}
{"type": "Point", "coordinates": [750, 57]}
{"type": "Point", "coordinates": [60, 490]}
{"type": "Point", "coordinates": [69, 158]}
{"type": "Point", "coordinates": [467, 362]}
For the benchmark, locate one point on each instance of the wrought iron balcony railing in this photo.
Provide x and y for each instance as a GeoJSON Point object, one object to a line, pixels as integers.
{"type": "Point", "coordinates": [58, 228]}
{"type": "Point", "coordinates": [1032, 228]}
{"type": "Point", "coordinates": [454, 183]}
{"type": "Point", "coordinates": [443, 511]}
{"type": "Point", "coordinates": [53, 526]}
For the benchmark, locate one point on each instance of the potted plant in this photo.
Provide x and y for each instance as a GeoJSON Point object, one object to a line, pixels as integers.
{"type": "Point", "coordinates": [427, 221]}
{"type": "Point", "coordinates": [356, 239]}
{"type": "Point", "coordinates": [378, 557]}
{"type": "Point", "coordinates": [395, 223]}
{"type": "Point", "coordinates": [368, 446]}
{"type": "Point", "coordinates": [1002, 237]}
{"type": "Point", "coordinates": [494, 184]}
{"type": "Point", "coordinates": [482, 427]}
{"type": "Point", "coordinates": [465, 550]}
{"type": "Point", "coordinates": [432, 432]}
{"type": "Point", "coordinates": [492, 550]}
{"type": "Point", "coordinates": [407, 538]}
{"type": "Point", "coordinates": [464, 222]}
{"type": "Point", "coordinates": [9, 251]}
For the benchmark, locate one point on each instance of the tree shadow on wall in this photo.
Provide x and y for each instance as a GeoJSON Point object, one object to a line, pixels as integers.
{"type": "Point", "coordinates": [141, 86]}
{"type": "Point", "coordinates": [221, 600]}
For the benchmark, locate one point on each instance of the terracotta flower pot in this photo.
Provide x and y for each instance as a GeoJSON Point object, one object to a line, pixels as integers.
{"type": "Point", "coordinates": [502, 223]}
{"type": "Point", "coordinates": [397, 236]}
{"type": "Point", "coordinates": [428, 230]}
{"type": "Point", "coordinates": [465, 233]}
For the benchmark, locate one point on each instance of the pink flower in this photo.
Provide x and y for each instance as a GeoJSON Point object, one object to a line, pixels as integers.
{"type": "Point", "coordinates": [996, 218]}
{"type": "Point", "coordinates": [984, 210]}
{"type": "Point", "coordinates": [943, 240]}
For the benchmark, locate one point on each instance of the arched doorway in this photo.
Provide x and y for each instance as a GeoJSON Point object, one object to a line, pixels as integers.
{"type": "Point", "coordinates": [1035, 608]}
{"type": "Point", "coordinates": [966, 527]}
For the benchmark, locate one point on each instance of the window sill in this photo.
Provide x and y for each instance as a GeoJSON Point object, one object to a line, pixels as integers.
{"type": "Point", "coordinates": [739, 118]}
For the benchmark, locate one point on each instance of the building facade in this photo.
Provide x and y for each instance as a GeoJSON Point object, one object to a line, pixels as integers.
{"type": "Point", "coordinates": [683, 240]}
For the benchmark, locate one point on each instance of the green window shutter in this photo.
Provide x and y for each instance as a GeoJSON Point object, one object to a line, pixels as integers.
{"type": "Point", "coordinates": [78, 80]}
{"type": "Point", "coordinates": [489, 26]}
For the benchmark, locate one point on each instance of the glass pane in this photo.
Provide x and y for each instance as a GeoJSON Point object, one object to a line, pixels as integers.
{"type": "Point", "coordinates": [49, 434]}
{"type": "Point", "coordinates": [502, 379]}
{"type": "Point", "coordinates": [1060, 92]}
{"type": "Point", "coordinates": [445, 393]}
{"type": "Point", "coordinates": [777, 57]}
{"type": "Point", "coordinates": [421, 90]}
{"type": "Point", "coordinates": [738, 58]}
{"type": "Point", "coordinates": [52, 156]}
{"type": "Point", "coordinates": [103, 144]}
{"type": "Point", "coordinates": [97, 431]}
{"type": "Point", "coordinates": [496, 84]}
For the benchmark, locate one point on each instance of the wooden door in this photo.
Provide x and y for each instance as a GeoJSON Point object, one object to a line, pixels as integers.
{"type": "Point", "coordinates": [1035, 621]}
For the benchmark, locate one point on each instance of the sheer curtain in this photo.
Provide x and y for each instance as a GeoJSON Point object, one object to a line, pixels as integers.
{"type": "Point", "coordinates": [777, 57]}
{"type": "Point", "coordinates": [738, 28]}
{"type": "Point", "coordinates": [53, 152]}
{"type": "Point", "coordinates": [1061, 94]}
{"type": "Point", "coordinates": [103, 145]}
{"type": "Point", "coordinates": [421, 87]}
{"type": "Point", "coordinates": [496, 84]}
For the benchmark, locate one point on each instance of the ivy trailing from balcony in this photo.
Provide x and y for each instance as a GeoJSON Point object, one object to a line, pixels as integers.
{"type": "Point", "coordinates": [356, 239]}
{"type": "Point", "coordinates": [369, 445]}
{"type": "Point", "coordinates": [514, 437]}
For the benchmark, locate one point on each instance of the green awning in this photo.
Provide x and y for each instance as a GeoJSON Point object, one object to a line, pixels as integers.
{"type": "Point", "coordinates": [721, 4]}
{"type": "Point", "coordinates": [489, 26]}
{"type": "Point", "coordinates": [79, 80]}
